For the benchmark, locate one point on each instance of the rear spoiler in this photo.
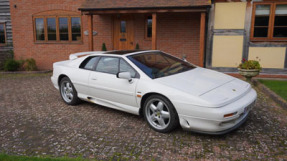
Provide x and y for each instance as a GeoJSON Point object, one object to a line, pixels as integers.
{"type": "Point", "coordinates": [77, 55]}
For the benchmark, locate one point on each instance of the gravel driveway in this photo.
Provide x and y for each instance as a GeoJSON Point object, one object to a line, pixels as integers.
{"type": "Point", "coordinates": [35, 121]}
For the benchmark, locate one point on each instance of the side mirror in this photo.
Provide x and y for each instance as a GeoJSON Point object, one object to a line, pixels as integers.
{"type": "Point", "coordinates": [125, 75]}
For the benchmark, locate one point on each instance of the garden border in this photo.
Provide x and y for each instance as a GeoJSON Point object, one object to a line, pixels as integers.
{"type": "Point", "coordinates": [276, 98]}
{"type": "Point", "coordinates": [27, 72]}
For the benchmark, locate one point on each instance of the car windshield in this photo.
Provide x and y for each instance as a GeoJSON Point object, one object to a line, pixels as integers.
{"type": "Point", "coordinates": [158, 64]}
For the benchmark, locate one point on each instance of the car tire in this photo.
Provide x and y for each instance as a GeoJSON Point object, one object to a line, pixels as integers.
{"type": "Point", "coordinates": [68, 92]}
{"type": "Point", "coordinates": [160, 114]}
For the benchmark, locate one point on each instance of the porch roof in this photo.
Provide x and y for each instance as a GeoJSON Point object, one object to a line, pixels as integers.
{"type": "Point", "coordinates": [100, 5]}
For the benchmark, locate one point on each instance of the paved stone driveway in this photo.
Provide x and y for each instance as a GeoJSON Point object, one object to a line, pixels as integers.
{"type": "Point", "coordinates": [35, 121]}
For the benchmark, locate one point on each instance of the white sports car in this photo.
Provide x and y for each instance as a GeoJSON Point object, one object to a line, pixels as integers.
{"type": "Point", "coordinates": [164, 89]}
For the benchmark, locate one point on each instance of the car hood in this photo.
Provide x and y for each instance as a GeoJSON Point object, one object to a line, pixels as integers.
{"type": "Point", "coordinates": [213, 87]}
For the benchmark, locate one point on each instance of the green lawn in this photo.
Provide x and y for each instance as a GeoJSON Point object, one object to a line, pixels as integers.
{"type": "Point", "coordinates": [277, 86]}
{"type": "Point", "coordinates": [5, 157]}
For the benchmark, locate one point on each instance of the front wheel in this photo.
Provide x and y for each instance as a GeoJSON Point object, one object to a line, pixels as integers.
{"type": "Point", "coordinates": [160, 114]}
{"type": "Point", "coordinates": [68, 92]}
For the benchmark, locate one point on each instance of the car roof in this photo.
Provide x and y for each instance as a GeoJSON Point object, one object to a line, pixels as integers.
{"type": "Point", "coordinates": [118, 52]}
{"type": "Point", "coordinates": [122, 52]}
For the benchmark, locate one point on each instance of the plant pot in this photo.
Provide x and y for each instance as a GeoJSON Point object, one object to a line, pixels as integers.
{"type": "Point", "coordinates": [248, 73]}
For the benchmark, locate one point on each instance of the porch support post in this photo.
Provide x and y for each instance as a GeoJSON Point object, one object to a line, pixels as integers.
{"type": "Point", "coordinates": [90, 26]}
{"type": "Point", "coordinates": [202, 39]}
{"type": "Point", "coordinates": [154, 38]}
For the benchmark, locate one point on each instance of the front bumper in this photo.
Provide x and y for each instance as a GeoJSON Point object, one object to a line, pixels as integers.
{"type": "Point", "coordinates": [212, 120]}
{"type": "Point", "coordinates": [55, 82]}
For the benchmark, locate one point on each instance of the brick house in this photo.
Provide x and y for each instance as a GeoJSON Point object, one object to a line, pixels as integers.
{"type": "Point", "coordinates": [50, 30]}
{"type": "Point", "coordinates": [215, 34]}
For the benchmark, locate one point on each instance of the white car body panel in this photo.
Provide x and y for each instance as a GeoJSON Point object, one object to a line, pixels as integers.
{"type": "Point", "coordinates": [200, 96]}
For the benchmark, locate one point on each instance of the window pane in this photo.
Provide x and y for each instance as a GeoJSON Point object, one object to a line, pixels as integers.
{"type": "Point", "coordinates": [91, 63]}
{"type": "Point", "coordinates": [149, 27]}
{"type": "Point", "coordinates": [280, 24]}
{"type": "Point", "coordinates": [40, 29]}
{"type": "Point", "coordinates": [51, 27]}
{"type": "Point", "coordinates": [63, 29]}
{"type": "Point", "coordinates": [260, 31]}
{"type": "Point", "coordinates": [262, 10]}
{"type": "Point", "coordinates": [261, 21]}
{"type": "Point", "coordinates": [158, 64]}
{"type": "Point", "coordinates": [108, 65]}
{"type": "Point", "coordinates": [280, 21]}
{"type": "Point", "coordinates": [125, 67]}
{"type": "Point", "coordinates": [76, 28]}
{"type": "Point", "coordinates": [281, 9]}
{"type": "Point", "coordinates": [2, 34]}
{"type": "Point", "coordinates": [280, 32]}
{"type": "Point", "coordinates": [123, 26]}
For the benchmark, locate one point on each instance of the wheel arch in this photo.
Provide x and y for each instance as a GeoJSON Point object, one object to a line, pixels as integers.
{"type": "Point", "coordinates": [60, 78]}
{"type": "Point", "coordinates": [144, 98]}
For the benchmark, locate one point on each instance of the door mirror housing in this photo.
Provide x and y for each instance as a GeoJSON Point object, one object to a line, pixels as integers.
{"type": "Point", "coordinates": [125, 75]}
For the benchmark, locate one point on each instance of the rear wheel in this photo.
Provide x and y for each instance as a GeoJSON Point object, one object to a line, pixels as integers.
{"type": "Point", "coordinates": [68, 92]}
{"type": "Point", "coordinates": [160, 114]}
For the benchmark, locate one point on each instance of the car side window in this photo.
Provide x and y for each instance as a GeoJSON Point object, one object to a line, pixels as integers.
{"type": "Point", "coordinates": [108, 65]}
{"type": "Point", "coordinates": [89, 63]}
{"type": "Point", "coordinates": [125, 67]}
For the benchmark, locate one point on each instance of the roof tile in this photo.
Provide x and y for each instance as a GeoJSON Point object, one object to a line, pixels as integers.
{"type": "Point", "coordinates": [129, 4]}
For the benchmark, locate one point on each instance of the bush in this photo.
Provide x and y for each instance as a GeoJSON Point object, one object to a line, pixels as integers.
{"type": "Point", "coordinates": [250, 64]}
{"type": "Point", "coordinates": [11, 65]}
{"type": "Point", "coordinates": [137, 46]}
{"type": "Point", "coordinates": [104, 48]}
{"type": "Point", "coordinates": [30, 65]}
{"type": "Point", "coordinates": [11, 53]}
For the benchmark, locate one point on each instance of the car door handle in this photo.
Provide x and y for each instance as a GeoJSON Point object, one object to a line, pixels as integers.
{"type": "Point", "coordinates": [94, 78]}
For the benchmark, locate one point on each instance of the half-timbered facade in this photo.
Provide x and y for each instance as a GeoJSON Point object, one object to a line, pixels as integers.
{"type": "Point", "coordinates": [6, 44]}
{"type": "Point", "coordinates": [250, 30]}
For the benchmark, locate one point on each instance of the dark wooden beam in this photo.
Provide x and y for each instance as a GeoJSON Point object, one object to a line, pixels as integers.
{"type": "Point", "coordinates": [202, 38]}
{"type": "Point", "coordinates": [154, 33]}
{"type": "Point", "coordinates": [90, 26]}
{"type": "Point", "coordinates": [98, 12]}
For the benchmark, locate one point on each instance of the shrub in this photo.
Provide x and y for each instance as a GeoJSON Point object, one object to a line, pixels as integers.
{"type": "Point", "coordinates": [30, 65]}
{"type": "Point", "coordinates": [11, 53]}
{"type": "Point", "coordinates": [11, 65]}
{"type": "Point", "coordinates": [137, 46]}
{"type": "Point", "coordinates": [249, 64]}
{"type": "Point", "coordinates": [104, 48]}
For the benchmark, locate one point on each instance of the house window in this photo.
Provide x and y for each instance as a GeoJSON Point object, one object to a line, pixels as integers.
{"type": "Point", "coordinates": [2, 34]}
{"type": "Point", "coordinates": [61, 29]}
{"type": "Point", "coordinates": [51, 29]}
{"type": "Point", "coordinates": [76, 28]}
{"type": "Point", "coordinates": [123, 26]}
{"type": "Point", "coordinates": [39, 22]}
{"type": "Point", "coordinates": [148, 28]}
{"type": "Point", "coordinates": [269, 22]}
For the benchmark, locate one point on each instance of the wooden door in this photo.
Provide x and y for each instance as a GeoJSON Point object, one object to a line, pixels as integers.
{"type": "Point", "coordinates": [123, 33]}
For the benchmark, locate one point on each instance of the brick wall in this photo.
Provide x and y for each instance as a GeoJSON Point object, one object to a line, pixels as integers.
{"type": "Point", "coordinates": [178, 33]}
{"type": "Point", "coordinates": [24, 46]}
